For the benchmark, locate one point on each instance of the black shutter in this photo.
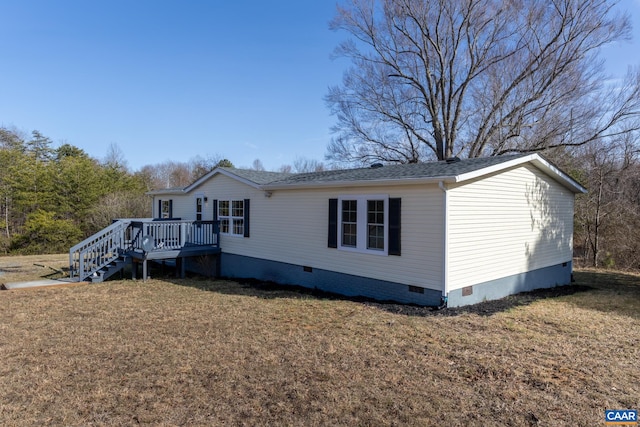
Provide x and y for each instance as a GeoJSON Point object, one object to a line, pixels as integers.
{"type": "Point", "coordinates": [170, 208]}
{"type": "Point", "coordinates": [333, 223]}
{"type": "Point", "coordinates": [246, 217]}
{"type": "Point", "coordinates": [159, 209]}
{"type": "Point", "coordinates": [394, 226]}
{"type": "Point", "coordinates": [216, 224]}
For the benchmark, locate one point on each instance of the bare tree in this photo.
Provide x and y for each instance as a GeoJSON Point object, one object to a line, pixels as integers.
{"type": "Point", "coordinates": [257, 165]}
{"type": "Point", "coordinates": [607, 231]}
{"type": "Point", "coordinates": [437, 78]}
{"type": "Point", "coordinates": [115, 158]}
{"type": "Point", "coordinates": [172, 174]}
{"type": "Point", "coordinates": [302, 164]}
{"type": "Point", "coordinates": [168, 174]}
{"type": "Point", "coordinates": [202, 165]}
{"type": "Point", "coordinates": [285, 169]}
{"type": "Point", "coordinates": [118, 205]}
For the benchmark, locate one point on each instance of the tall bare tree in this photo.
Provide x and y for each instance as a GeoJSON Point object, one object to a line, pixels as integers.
{"type": "Point", "coordinates": [607, 232]}
{"type": "Point", "coordinates": [438, 78]}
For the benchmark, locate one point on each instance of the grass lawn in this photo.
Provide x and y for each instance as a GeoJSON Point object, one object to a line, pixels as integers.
{"type": "Point", "coordinates": [200, 352]}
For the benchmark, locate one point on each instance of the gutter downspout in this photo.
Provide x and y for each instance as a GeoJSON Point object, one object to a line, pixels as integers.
{"type": "Point", "coordinates": [445, 249]}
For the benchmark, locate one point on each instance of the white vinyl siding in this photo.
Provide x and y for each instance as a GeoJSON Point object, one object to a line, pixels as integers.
{"type": "Point", "coordinates": [306, 239]}
{"type": "Point", "coordinates": [508, 223]}
{"type": "Point", "coordinates": [184, 207]}
{"type": "Point", "coordinates": [290, 226]}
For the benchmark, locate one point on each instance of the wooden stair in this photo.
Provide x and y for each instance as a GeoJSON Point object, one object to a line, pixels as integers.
{"type": "Point", "coordinates": [115, 266]}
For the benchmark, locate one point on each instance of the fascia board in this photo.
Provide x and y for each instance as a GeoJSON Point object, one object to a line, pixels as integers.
{"type": "Point", "coordinates": [560, 176]}
{"type": "Point", "coordinates": [365, 183]}
{"type": "Point", "coordinates": [164, 192]}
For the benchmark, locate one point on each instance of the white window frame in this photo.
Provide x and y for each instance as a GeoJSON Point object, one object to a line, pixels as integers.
{"type": "Point", "coordinates": [361, 224]}
{"type": "Point", "coordinates": [233, 220]}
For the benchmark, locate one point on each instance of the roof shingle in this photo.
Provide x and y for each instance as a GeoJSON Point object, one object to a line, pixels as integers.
{"type": "Point", "coordinates": [434, 169]}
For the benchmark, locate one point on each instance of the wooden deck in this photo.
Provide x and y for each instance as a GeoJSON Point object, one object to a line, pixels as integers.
{"type": "Point", "coordinates": [136, 241]}
{"type": "Point", "coordinates": [170, 254]}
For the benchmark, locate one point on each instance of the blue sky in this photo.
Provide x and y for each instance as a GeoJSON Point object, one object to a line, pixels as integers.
{"type": "Point", "coordinates": [169, 80]}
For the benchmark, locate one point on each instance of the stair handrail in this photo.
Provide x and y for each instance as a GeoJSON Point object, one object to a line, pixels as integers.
{"type": "Point", "coordinates": [98, 250]}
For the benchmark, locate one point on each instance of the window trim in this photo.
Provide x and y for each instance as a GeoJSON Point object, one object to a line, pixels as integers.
{"type": "Point", "coordinates": [362, 235]}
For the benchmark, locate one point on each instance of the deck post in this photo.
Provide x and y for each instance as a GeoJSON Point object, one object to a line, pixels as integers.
{"type": "Point", "coordinates": [71, 272]}
{"type": "Point", "coordinates": [81, 265]}
{"type": "Point", "coordinates": [183, 234]}
{"type": "Point", "coordinates": [144, 269]}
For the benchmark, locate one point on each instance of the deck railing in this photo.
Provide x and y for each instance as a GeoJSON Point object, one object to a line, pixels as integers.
{"type": "Point", "coordinates": [98, 250]}
{"type": "Point", "coordinates": [170, 235]}
{"type": "Point", "coordinates": [141, 235]}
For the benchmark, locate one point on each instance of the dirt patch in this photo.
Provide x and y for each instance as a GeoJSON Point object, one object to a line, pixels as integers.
{"type": "Point", "coordinates": [485, 308]}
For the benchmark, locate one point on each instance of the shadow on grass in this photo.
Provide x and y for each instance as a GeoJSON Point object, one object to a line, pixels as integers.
{"type": "Point", "coordinates": [270, 290]}
{"type": "Point", "coordinates": [613, 292]}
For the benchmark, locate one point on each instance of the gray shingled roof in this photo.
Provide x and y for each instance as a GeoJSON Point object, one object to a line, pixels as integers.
{"type": "Point", "coordinates": [258, 177]}
{"type": "Point", "coordinates": [167, 190]}
{"type": "Point", "coordinates": [436, 169]}
{"type": "Point", "coordinates": [429, 170]}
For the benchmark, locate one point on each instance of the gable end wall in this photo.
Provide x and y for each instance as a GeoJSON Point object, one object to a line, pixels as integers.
{"type": "Point", "coordinates": [507, 224]}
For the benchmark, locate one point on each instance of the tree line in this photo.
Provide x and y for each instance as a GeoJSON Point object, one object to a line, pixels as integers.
{"type": "Point", "coordinates": [51, 198]}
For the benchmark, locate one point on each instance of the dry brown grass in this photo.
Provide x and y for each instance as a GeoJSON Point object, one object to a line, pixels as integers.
{"type": "Point", "coordinates": [196, 352]}
{"type": "Point", "coordinates": [32, 267]}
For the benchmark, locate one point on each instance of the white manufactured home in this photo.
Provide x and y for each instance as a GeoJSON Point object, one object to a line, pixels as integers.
{"type": "Point", "coordinates": [455, 232]}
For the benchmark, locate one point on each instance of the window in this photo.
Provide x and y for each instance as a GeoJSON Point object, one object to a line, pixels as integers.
{"type": "Point", "coordinates": [223, 216]}
{"type": "Point", "coordinates": [231, 214]}
{"type": "Point", "coordinates": [198, 208]}
{"type": "Point", "coordinates": [363, 223]}
{"type": "Point", "coordinates": [382, 223]}
{"type": "Point", "coordinates": [165, 208]}
{"type": "Point", "coordinates": [349, 223]}
{"type": "Point", "coordinates": [375, 225]}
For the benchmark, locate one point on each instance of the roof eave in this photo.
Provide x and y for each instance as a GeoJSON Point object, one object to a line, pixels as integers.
{"type": "Point", "coordinates": [562, 177]}
{"type": "Point", "coordinates": [164, 192]}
